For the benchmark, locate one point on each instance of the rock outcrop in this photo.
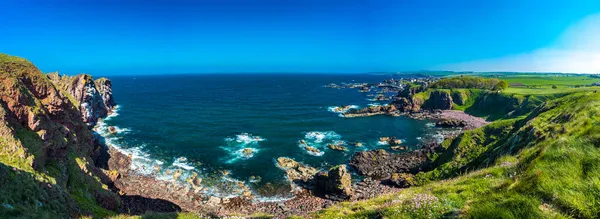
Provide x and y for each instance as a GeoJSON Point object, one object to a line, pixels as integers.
{"type": "Point", "coordinates": [93, 100]}
{"type": "Point", "coordinates": [417, 98]}
{"type": "Point", "coordinates": [336, 184]}
{"type": "Point", "coordinates": [451, 123]}
{"type": "Point", "coordinates": [104, 86]}
{"type": "Point", "coordinates": [379, 164]}
{"type": "Point", "coordinates": [295, 171]}
{"type": "Point", "coordinates": [371, 111]}
{"type": "Point", "coordinates": [439, 100]}
{"type": "Point", "coordinates": [43, 133]}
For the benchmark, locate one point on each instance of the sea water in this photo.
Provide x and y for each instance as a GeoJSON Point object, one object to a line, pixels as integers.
{"type": "Point", "coordinates": [230, 128]}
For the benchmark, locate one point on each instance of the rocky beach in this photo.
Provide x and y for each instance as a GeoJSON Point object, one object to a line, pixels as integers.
{"type": "Point", "coordinates": [312, 189]}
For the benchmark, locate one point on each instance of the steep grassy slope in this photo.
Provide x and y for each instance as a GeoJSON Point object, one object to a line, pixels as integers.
{"type": "Point", "coordinates": [46, 167]}
{"type": "Point", "coordinates": [543, 165]}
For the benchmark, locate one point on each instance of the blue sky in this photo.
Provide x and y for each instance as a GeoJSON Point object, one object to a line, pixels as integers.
{"type": "Point", "coordinates": [152, 37]}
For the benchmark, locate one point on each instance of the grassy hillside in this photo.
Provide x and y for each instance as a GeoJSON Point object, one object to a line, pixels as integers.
{"type": "Point", "coordinates": [46, 169]}
{"type": "Point", "coordinates": [545, 164]}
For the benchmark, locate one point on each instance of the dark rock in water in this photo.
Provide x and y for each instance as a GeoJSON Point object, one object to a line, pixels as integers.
{"type": "Point", "coordinates": [112, 129]}
{"type": "Point", "coordinates": [451, 123]}
{"type": "Point", "coordinates": [399, 148]}
{"type": "Point", "coordinates": [337, 147]}
{"type": "Point", "coordinates": [295, 171]}
{"type": "Point", "coordinates": [312, 149]}
{"type": "Point", "coordinates": [380, 164]}
{"type": "Point", "coordinates": [370, 111]}
{"type": "Point", "coordinates": [335, 184]}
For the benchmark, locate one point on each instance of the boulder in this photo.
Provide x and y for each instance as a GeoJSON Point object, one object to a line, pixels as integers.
{"type": "Point", "coordinates": [402, 180]}
{"type": "Point", "coordinates": [335, 184]}
{"type": "Point", "coordinates": [337, 147]}
{"type": "Point", "coordinates": [312, 149]}
{"type": "Point", "coordinates": [398, 148]}
{"type": "Point", "coordinates": [176, 174]}
{"type": "Point", "coordinates": [247, 152]}
{"type": "Point", "coordinates": [296, 171]}
{"type": "Point", "coordinates": [213, 201]}
{"type": "Point", "coordinates": [112, 129]}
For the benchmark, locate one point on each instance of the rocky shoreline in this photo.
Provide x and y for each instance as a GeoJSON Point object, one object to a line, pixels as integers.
{"type": "Point", "coordinates": [312, 189]}
{"type": "Point", "coordinates": [168, 196]}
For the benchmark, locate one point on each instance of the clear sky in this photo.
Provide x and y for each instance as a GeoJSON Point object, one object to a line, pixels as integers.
{"type": "Point", "coordinates": [149, 37]}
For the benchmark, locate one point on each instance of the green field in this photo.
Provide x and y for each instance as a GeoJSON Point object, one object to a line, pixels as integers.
{"type": "Point", "coordinates": [544, 83]}
{"type": "Point", "coordinates": [544, 80]}
{"type": "Point", "coordinates": [547, 90]}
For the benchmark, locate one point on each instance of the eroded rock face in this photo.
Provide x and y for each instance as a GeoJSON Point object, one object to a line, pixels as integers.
{"type": "Point", "coordinates": [95, 100]}
{"type": "Point", "coordinates": [439, 100]}
{"type": "Point", "coordinates": [104, 86]}
{"type": "Point", "coordinates": [335, 184]}
{"type": "Point", "coordinates": [406, 101]}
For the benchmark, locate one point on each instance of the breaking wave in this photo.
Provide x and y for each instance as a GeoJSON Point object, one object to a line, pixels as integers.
{"type": "Point", "coordinates": [143, 163]}
{"type": "Point", "coordinates": [242, 146]}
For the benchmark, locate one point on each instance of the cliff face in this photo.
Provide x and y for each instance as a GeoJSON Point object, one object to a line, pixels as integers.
{"type": "Point", "coordinates": [94, 98]}
{"type": "Point", "coordinates": [416, 99]}
{"type": "Point", "coordinates": [439, 99]}
{"type": "Point", "coordinates": [44, 134]}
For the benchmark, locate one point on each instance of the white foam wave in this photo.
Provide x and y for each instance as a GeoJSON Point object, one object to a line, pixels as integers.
{"type": "Point", "coordinates": [114, 113]}
{"type": "Point", "coordinates": [382, 143]}
{"type": "Point", "coordinates": [182, 162]}
{"type": "Point", "coordinates": [376, 104]}
{"type": "Point", "coordinates": [319, 137]}
{"type": "Point", "coordinates": [241, 147]}
{"type": "Point", "coordinates": [341, 109]}
{"type": "Point", "coordinates": [303, 146]}
{"type": "Point", "coordinates": [121, 130]}
{"type": "Point", "coordinates": [245, 138]}
{"type": "Point", "coordinates": [144, 163]}
{"type": "Point", "coordinates": [430, 125]}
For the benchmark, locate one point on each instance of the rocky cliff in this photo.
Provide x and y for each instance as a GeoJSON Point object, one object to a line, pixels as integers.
{"type": "Point", "coordinates": [45, 140]}
{"type": "Point", "coordinates": [416, 99]}
{"type": "Point", "coordinates": [93, 98]}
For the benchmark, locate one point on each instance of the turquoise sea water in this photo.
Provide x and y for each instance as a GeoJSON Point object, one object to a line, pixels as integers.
{"type": "Point", "coordinates": [202, 123]}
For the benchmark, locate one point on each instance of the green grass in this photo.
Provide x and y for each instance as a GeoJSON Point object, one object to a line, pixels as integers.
{"type": "Point", "coordinates": [545, 164]}
{"type": "Point", "coordinates": [541, 80]}
{"type": "Point", "coordinates": [543, 90]}
{"type": "Point", "coordinates": [9, 58]}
